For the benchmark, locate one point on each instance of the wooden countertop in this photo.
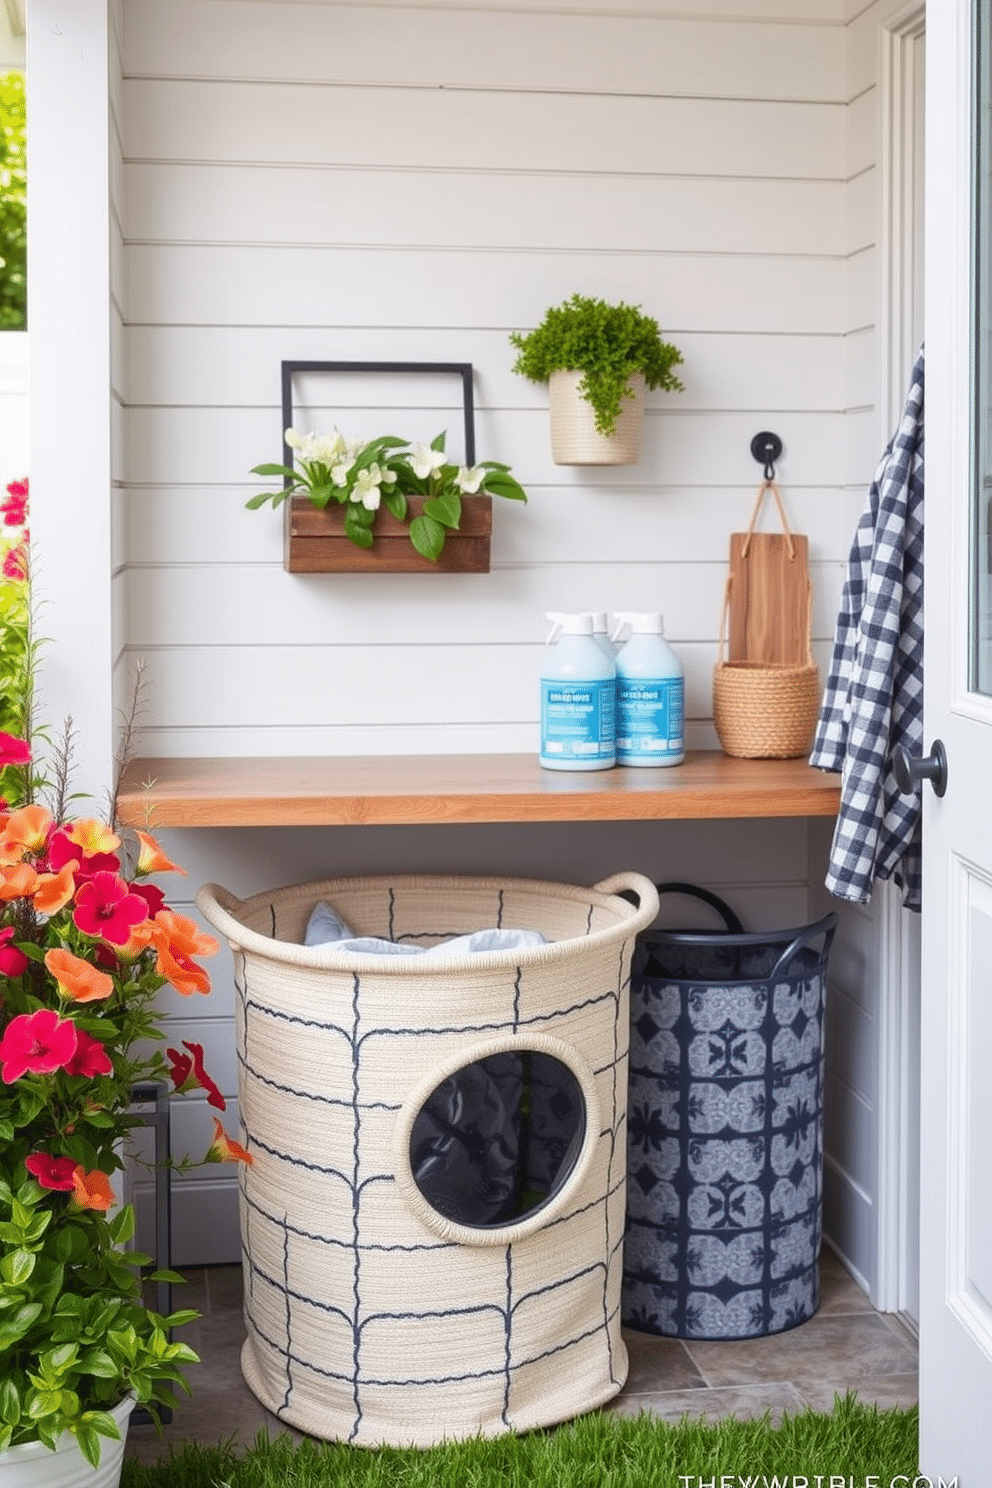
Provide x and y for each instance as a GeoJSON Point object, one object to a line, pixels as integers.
{"type": "Point", "coordinates": [438, 789]}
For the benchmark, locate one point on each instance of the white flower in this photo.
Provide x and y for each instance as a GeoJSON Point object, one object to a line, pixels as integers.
{"type": "Point", "coordinates": [366, 489]}
{"type": "Point", "coordinates": [322, 448]}
{"type": "Point", "coordinates": [424, 460]}
{"type": "Point", "coordinates": [339, 472]}
{"type": "Point", "coordinates": [469, 479]}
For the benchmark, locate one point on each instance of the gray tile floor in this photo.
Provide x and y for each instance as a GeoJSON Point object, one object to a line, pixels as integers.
{"type": "Point", "coordinates": [847, 1345]}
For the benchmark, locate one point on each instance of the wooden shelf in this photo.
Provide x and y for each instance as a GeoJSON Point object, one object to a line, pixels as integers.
{"type": "Point", "coordinates": [439, 789]}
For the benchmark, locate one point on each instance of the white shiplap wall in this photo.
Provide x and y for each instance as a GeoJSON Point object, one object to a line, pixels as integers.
{"type": "Point", "coordinates": [413, 181]}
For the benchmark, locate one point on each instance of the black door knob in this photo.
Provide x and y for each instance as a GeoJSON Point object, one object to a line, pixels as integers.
{"type": "Point", "coordinates": [910, 770]}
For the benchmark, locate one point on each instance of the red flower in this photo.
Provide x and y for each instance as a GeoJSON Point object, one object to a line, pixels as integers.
{"type": "Point", "coordinates": [13, 963]}
{"type": "Point", "coordinates": [152, 895]}
{"type": "Point", "coordinates": [106, 907]}
{"type": "Point", "coordinates": [188, 1073]}
{"type": "Point", "coordinates": [14, 751]}
{"type": "Point", "coordinates": [52, 1172]}
{"type": "Point", "coordinates": [90, 1059]}
{"type": "Point", "coordinates": [36, 1043]}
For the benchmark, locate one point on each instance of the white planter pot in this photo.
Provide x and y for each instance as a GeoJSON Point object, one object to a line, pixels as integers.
{"type": "Point", "coordinates": [575, 440]}
{"type": "Point", "coordinates": [33, 1465]}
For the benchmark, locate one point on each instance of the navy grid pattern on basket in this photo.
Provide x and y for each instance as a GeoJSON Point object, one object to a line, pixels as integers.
{"type": "Point", "coordinates": [371, 1316]}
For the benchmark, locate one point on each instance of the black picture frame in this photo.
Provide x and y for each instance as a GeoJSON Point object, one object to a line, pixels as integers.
{"type": "Point", "coordinates": [459, 369]}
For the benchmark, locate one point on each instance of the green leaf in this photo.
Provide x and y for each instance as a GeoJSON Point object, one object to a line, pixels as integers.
{"type": "Point", "coordinates": [276, 497]}
{"type": "Point", "coordinates": [17, 1266]}
{"type": "Point", "coordinates": [427, 536]}
{"type": "Point", "coordinates": [89, 1443]}
{"type": "Point", "coordinates": [446, 508]}
{"type": "Point", "coordinates": [505, 486]}
{"type": "Point", "coordinates": [437, 443]}
{"type": "Point", "coordinates": [10, 1402]}
{"type": "Point", "coordinates": [275, 470]}
{"type": "Point", "coordinates": [395, 502]}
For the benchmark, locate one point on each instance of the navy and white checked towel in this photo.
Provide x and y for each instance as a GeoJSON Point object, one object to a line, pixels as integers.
{"type": "Point", "coordinates": [874, 695]}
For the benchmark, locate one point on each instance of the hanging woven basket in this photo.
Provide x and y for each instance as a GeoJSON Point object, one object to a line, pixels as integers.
{"type": "Point", "coordinates": [766, 706]}
{"type": "Point", "coordinates": [575, 440]}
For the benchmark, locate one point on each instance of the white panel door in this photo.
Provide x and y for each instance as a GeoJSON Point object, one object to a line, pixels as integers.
{"type": "Point", "coordinates": [956, 1104]}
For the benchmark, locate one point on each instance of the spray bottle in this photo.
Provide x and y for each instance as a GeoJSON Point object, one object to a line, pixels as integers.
{"type": "Point", "coordinates": [578, 699]}
{"type": "Point", "coordinates": [650, 694]}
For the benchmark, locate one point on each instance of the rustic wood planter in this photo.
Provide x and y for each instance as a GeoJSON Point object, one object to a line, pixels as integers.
{"type": "Point", "coordinates": [315, 541]}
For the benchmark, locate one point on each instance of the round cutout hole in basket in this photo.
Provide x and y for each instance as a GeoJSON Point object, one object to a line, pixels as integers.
{"type": "Point", "coordinates": [496, 1140]}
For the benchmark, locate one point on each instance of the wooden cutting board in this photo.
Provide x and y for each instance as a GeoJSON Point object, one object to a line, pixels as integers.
{"type": "Point", "coordinates": [769, 597]}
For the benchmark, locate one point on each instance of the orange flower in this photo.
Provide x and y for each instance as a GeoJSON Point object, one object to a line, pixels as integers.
{"type": "Point", "coordinates": [26, 831]}
{"type": "Point", "coordinates": [151, 858]}
{"type": "Point", "coordinates": [225, 1149]}
{"type": "Point", "coordinates": [78, 980]}
{"type": "Point", "coordinates": [93, 836]}
{"type": "Point", "coordinates": [54, 890]}
{"type": "Point", "coordinates": [17, 881]}
{"type": "Point", "coordinates": [179, 939]}
{"type": "Point", "coordinates": [91, 1190]}
{"type": "Point", "coordinates": [182, 972]}
{"type": "Point", "coordinates": [185, 936]}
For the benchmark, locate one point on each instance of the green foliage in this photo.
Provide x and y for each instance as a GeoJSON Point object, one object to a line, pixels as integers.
{"type": "Point", "coordinates": [13, 202]}
{"type": "Point", "coordinates": [362, 477]}
{"type": "Point", "coordinates": [74, 1334]}
{"type": "Point", "coordinates": [856, 1442]}
{"type": "Point", "coordinates": [606, 343]}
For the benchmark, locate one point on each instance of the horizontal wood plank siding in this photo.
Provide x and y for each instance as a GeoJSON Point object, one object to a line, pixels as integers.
{"type": "Point", "coordinates": [290, 187]}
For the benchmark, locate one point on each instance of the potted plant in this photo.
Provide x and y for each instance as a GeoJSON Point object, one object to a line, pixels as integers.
{"type": "Point", "coordinates": [597, 359]}
{"type": "Point", "coordinates": [365, 483]}
{"type": "Point", "coordinates": [86, 941]}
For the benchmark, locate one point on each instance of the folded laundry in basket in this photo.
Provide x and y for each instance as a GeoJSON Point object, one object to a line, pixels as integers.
{"type": "Point", "coordinates": [326, 927]}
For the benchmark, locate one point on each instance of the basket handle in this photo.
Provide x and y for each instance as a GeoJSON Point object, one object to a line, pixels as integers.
{"type": "Point", "coordinates": [824, 927]}
{"type": "Point", "coordinates": [635, 888]}
{"type": "Point", "coordinates": [733, 924]}
{"type": "Point", "coordinates": [768, 485]}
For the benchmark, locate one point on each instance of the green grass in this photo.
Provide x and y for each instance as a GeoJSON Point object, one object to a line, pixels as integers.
{"type": "Point", "coordinates": [599, 1450]}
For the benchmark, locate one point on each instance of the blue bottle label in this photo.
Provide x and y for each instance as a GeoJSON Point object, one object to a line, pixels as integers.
{"type": "Point", "coordinates": [578, 720]}
{"type": "Point", "coordinates": [650, 719]}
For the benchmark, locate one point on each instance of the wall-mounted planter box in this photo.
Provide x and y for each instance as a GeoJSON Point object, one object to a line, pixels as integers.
{"type": "Point", "coordinates": [315, 541]}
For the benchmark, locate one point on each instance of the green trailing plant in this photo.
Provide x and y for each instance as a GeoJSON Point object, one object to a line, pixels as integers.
{"type": "Point", "coordinates": [606, 343]}
{"type": "Point", "coordinates": [364, 476]}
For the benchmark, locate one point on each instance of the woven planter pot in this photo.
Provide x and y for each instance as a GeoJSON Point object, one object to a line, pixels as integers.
{"type": "Point", "coordinates": [432, 1225]}
{"type": "Point", "coordinates": [575, 440]}
{"type": "Point", "coordinates": [765, 711]}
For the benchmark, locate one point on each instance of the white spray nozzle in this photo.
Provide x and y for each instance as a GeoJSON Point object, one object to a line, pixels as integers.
{"type": "Point", "coordinates": [640, 622]}
{"type": "Point", "coordinates": [580, 624]}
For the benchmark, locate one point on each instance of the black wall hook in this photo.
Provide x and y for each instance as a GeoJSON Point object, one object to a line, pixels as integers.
{"type": "Point", "coordinates": [766, 449]}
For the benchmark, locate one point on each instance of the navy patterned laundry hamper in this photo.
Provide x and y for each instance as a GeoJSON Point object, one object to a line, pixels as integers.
{"type": "Point", "coordinates": [725, 1128]}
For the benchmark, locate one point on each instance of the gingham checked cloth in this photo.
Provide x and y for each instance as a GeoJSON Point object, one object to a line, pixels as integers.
{"type": "Point", "coordinates": [874, 695]}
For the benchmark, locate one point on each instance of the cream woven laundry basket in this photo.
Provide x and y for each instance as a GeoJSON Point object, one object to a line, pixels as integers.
{"type": "Point", "coordinates": [433, 1222]}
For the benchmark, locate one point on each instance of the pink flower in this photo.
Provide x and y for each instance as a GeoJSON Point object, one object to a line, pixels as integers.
{"type": "Point", "coordinates": [52, 1172]}
{"type": "Point", "coordinates": [90, 1059]}
{"type": "Point", "coordinates": [15, 508]}
{"type": "Point", "coordinates": [106, 907]}
{"type": "Point", "coordinates": [36, 1043]}
{"type": "Point", "coordinates": [15, 564]}
{"type": "Point", "coordinates": [13, 963]}
{"type": "Point", "coordinates": [14, 751]}
{"type": "Point", "coordinates": [63, 849]}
